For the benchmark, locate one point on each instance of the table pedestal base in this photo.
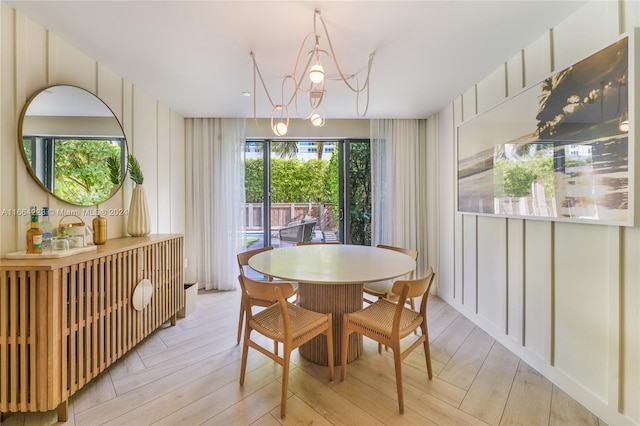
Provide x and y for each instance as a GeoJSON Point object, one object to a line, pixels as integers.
{"type": "Point", "coordinates": [336, 299]}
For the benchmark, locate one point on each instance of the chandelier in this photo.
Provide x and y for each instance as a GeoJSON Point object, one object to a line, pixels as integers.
{"type": "Point", "coordinates": [313, 87]}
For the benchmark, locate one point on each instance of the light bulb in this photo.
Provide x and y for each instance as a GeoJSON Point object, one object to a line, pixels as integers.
{"type": "Point", "coordinates": [280, 129]}
{"type": "Point", "coordinates": [316, 73]}
{"type": "Point", "coordinates": [624, 126]}
{"type": "Point", "coordinates": [316, 120]}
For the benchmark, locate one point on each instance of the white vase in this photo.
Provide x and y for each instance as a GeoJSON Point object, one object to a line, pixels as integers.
{"type": "Point", "coordinates": [138, 224]}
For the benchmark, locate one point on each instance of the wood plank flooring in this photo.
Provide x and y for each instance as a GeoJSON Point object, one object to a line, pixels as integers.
{"type": "Point", "coordinates": [188, 375]}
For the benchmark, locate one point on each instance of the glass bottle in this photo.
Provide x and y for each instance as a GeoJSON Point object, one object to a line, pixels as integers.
{"type": "Point", "coordinates": [47, 230]}
{"type": "Point", "coordinates": [34, 236]}
{"type": "Point", "coordinates": [32, 210]}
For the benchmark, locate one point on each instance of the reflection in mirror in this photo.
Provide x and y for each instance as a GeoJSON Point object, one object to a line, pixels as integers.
{"type": "Point", "coordinates": [69, 138]}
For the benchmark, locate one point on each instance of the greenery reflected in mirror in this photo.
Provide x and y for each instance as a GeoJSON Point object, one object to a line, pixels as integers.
{"type": "Point", "coordinates": [70, 141]}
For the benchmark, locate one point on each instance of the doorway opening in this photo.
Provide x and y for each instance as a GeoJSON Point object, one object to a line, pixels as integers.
{"type": "Point", "coordinates": [307, 190]}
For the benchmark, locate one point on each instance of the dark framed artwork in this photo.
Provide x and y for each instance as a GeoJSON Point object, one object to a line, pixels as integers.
{"type": "Point", "coordinates": [558, 150]}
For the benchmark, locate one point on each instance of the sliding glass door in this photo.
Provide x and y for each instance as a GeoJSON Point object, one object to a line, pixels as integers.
{"type": "Point", "coordinates": [356, 190]}
{"type": "Point", "coordinates": [307, 190]}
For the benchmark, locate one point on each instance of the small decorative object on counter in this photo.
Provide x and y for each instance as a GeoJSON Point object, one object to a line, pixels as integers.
{"type": "Point", "coordinates": [61, 242]}
{"type": "Point", "coordinates": [99, 230]}
{"type": "Point", "coordinates": [34, 236]}
{"type": "Point", "coordinates": [76, 231]}
{"type": "Point", "coordinates": [47, 230]}
{"type": "Point", "coordinates": [138, 224]}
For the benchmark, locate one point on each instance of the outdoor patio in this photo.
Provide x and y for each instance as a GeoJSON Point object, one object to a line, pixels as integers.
{"type": "Point", "coordinates": [317, 236]}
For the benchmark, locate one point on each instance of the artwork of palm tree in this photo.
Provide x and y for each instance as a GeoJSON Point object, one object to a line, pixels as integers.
{"type": "Point", "coordinates": [561, 140]}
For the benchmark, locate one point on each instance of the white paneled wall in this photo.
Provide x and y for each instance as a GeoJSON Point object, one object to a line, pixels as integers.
{"type": "Point", "coordinates": [515, 280]}
{"type": "Point", "coordinates": [33, 58]}
{"type": "Point", "coordinates": [564, 296]}
{"type": "Point", "coordinates": [492, 270]}
{"type": "Point", "coordinates": [538, 283]}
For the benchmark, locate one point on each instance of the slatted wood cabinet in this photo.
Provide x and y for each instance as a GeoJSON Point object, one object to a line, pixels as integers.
{"type": "Point", "coordinates": [65, 320]}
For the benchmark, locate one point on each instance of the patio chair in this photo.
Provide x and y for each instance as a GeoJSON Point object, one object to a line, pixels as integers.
{"type": "Point", "coordinates": [388, 323]}
{"type": "Point", "coordinates": [297, 232]}
{"type": "Point", "coordinates": [283, 322]}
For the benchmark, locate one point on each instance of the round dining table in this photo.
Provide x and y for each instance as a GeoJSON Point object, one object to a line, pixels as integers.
{"type": "Point", "coordinates": [330, 279]}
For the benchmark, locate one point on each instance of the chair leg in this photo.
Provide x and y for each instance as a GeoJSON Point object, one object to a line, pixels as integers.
{"type": "Point", "coordinates": [330, 347]}
{"type": "Point", "coordinates": [345, 346]}
{"type": "Point", "coordinates": [286, 360]}
{"type": "Point", "coordinates": [397, 360]}
{"type": "Point", "coordinates": [427, 351]}
{"type": "Point", "coordinates": [245, 351]}
{"type": "Point", "coordinates": [241, 320]}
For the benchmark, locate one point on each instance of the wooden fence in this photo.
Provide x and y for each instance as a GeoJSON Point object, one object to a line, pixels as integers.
{"type": "Point", "coordinates": [285, 213]}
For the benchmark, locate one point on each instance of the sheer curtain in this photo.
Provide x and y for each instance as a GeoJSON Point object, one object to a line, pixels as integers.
{"type": "Point", "coordinates": [215, 194]}
{"type": "Point", "coordinates": [399, 186]}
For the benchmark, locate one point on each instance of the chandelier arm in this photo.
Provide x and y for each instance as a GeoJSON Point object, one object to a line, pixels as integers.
{"type": "Point", "coordinates": [298, 110]}
{"type": "Point", "coordinates": [256, 70]}
{"type": "Point", "coordinates": [335, 61]}
{"type": "Point", "coordinates": [298, 84]}
{"type": "Point", "coordinates": [366, 108]}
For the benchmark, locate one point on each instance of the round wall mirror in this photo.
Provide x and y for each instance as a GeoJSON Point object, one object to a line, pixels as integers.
{"type": "Point", "coordinates": [73, 145]}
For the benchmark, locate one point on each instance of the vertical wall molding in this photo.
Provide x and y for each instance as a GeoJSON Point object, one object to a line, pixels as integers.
{"type": "Point", "coordinates": [523, 318]}
{"type": "Point", "coordinates": [552, 297]}
{"type": "Point", "coordinates": [616, 341]}
{"type": "Point", "coordinates": [475, 99]}
{"type": "Point", "coordinates": [621, 17]}
{"type": "Point", "coordinates": [524, 69]}
{"type": "Point", "coordinates": [524, 285]}
{"type": "Point", "coordinates": [506, 80]}
{"type": "Point", "coordinates": [506, 280]}
{"type": "Point", "coordinates": [462, 242]}
{"type": "Point", "coordinates": [17, 158]}
{"type": "Point", "coordinates": [475, 242]}
{"type": "Point", "coordinates": [552, 56]}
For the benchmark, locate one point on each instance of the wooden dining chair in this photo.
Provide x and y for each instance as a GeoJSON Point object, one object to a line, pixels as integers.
{"type": "Point", "coordinates": [388, 323]}
{"type": "Point", "coordinates": [285, 323]}
{"type": "Point", "coordinates": [245, 270]}
{"type": "Point", "coordinates": [382, 289]}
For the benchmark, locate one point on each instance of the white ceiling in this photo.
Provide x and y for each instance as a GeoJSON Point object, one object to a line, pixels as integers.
{"type": "Point", "coordinates": [194, 56]}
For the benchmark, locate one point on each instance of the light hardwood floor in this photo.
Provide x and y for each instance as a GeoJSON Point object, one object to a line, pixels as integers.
{"type": "Point", "coordinates": [188, 375]}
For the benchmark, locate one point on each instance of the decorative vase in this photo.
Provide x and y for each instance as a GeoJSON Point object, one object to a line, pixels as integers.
{"type": "Point", "coordinates": [138, 224]}
{"type": "Point", "coordinates": [99, 230]}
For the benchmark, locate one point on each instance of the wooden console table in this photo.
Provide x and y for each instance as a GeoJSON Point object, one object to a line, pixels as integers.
{"type": "Point", "coordinates": [65, 320]}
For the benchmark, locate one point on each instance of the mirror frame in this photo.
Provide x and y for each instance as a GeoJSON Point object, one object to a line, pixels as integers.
{"type": "Point", "coordinates": [23, 115]}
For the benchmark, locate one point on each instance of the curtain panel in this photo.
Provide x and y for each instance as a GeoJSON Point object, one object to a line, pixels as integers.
{"type": "Point", "coordinates": [399, 186]}
{"type": "Point", "coordinates": [215, 196]}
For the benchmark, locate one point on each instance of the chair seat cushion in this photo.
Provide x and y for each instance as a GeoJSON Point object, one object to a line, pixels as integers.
{"type": "Point", "coordinates": [377, 318]}
{"type": "Point", "coordinates": [270, 322]}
